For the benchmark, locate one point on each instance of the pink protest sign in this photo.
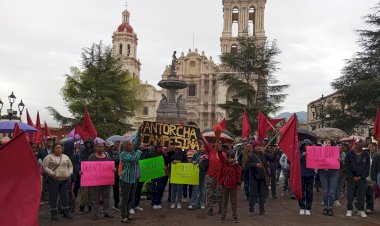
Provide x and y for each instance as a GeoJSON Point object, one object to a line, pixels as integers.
{"type": "Point", "coordinates": [322, 157]}
{"type": "Point", "coordinates": [97, 173]}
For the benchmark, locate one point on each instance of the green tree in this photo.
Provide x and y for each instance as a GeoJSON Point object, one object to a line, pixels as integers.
{"type": "Point", "coordinates": [109, 92]}
{"type": "Point", "coordinates": [250, 77]}
{"type": "Point", "coordinates": [359, 84]}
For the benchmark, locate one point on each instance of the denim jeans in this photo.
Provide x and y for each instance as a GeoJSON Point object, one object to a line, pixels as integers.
{"type": "Point", "coordinates": [139, 188]}
{"type": "Point", "coordinates": [128, 192]}
{"type": "Point", "coordinates": [258, 192]}
{"type": "Point", "coordinates": [176, 193]}
{"type": "Point", "coordinates": [199, 191]}
{"type": "Point", "coordinates": [187, 190]}
{"type": "Point", "coordinates": [104, 191]}
{"type": "Point", "coordinates": [246, 182]}
{"type": "Point", "coordinates": [329, 181]}
{"type": "Point", "coordinates": [369, 198]}
{"type": "Point", "coordinates": [56, 187]}
{"type": "Point", "coordinates": [356, 187]}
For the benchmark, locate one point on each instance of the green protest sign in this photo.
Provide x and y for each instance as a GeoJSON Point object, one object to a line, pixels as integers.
{"type": "Point", "coordinates": [152, 168]}
{"type": "Point", "coordinates": [184, 173]}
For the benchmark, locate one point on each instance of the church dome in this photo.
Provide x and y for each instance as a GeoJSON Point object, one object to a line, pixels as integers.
{"type": "Point", "coordinates": [125, 27]}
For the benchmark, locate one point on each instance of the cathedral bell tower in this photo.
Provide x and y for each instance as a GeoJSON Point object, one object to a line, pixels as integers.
{"type": "Point", "coordinates": [242, 18]}
{"type": "Point", "coordinates": [124, 45]}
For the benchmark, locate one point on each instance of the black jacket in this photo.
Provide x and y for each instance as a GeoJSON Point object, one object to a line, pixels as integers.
{"type": "Point", "coordinates": [258, 173]}
{"type": "Point", "coordinates": [375, 168]}
{"type": "Point", "coordinates": [355, 168]}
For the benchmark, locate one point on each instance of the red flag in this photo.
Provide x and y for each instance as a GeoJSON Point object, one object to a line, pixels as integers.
{"type": "Point", "coordinates": [16, 130]}
{"type": "Point", "coordinates": [47, 131]}
{"type": "Point", "coordinates": [289, 145]}
{"type": "Point", "coordinates": [264, 125]}
{"type": "Point", "coordinates": [19, 198]}
{"type": "Point", "coordinates": [30, 122]}
{"type": "Point", "coordinates": [223, 123]}
{"type": "Point", "coordinates": [29, 119]}
{"type": "Point", "coordinates": [87, 130]}
{"type": "Point", "coordinates": [246, 129]}
{"type": "Point", "coordinates": [376, 127]}
{"type": "Point", "coordinates": [38, 136]}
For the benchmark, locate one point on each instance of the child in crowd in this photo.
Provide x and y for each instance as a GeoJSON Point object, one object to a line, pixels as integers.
{"type": "Point", "coordinates": [179, 156]}
{"type": "Point", "coordinates": [230, 180]}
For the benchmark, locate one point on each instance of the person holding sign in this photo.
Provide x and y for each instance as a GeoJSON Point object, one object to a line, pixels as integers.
{"type": "Point", "coordinates": [129, 158]}
{"type": "Point", "coordinates": [103, 190]}
{"type": "Point", "coordinates": [179, 156]}
{"type": "Point", "coordinates": [329, 178]}
{"type": "Point", "coordinates": [358, 166]}
{"type": "Point", "coordinates": [59, 168]}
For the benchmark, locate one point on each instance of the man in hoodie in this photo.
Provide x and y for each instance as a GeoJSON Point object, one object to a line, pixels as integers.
{"type": "Point", "coordinates": [307, 181]}
{"type": "Point", "coordinates": [358, 166]}
{"type": "Point", "coordinates": [85, 153]}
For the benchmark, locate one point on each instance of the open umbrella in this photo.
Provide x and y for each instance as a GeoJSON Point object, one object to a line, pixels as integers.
{"type": "Point", "coordinates": [306, 134]}
{"type": "Point", "coordinates": [330, 133]}
{"type": "Point", "coordinates": [116, 138]}
{"type": "Point", "coordinates": [223, 131]}
{"type": "Point", "coordinates": [210, 137]}
{"type": "Point", "coordinates": [8, 126]}
{"type": "Point", "coordinates": [350, 138]}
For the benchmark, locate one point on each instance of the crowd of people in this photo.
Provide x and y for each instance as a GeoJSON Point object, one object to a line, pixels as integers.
{"type": "Point", "coordinates": [254, 168]}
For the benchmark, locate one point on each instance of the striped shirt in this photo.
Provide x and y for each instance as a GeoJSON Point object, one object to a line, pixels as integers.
{"type": "Point", "coordinates": [130, 161]}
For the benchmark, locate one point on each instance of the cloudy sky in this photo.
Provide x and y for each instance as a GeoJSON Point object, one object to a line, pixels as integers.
{"type": "Point", "coordinates": [41, 39]}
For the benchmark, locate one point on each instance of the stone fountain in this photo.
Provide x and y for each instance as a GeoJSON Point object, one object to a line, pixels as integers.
{"type": "Point", "coordinates": [171, 109]}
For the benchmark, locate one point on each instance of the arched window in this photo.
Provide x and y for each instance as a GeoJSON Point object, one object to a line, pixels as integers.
{"type": "Point", "coordinates": [235, 22]}
{"type": "Point", "coordinates": [234, 48]}
{"type": "Point", "coordinates": [121, 49]}
{"type": "Point", "coordinates": [251, 21]}
{"type": "Point", "coordinates": [128, 50]}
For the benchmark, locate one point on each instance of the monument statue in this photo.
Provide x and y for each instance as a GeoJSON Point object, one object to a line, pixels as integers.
{"type": "Point", "coordinates": [174, 62]}
{"type": "Point", "coordinates": [180, 102]}
{"type": "Point", "coordinates": [163, 101]}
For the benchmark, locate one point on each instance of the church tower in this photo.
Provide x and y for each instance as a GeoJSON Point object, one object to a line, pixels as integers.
{"type": "Point", "coordinates": [124, 42]}
{"type": "Point", "coordinates": [242, 18]}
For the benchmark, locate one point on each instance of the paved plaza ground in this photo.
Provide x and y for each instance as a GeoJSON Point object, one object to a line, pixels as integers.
{"type": "Point", "coordinates": [282, 211]}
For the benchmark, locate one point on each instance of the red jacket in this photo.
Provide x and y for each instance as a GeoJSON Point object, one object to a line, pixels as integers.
{"type": "Point", "coordinates": [216, 160]}
{"type": "Point", "coordinates": [230, 176]}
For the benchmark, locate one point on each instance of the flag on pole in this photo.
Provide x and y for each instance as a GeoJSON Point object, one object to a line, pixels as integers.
{"type": "Point", "coordinates": [38, 135]}
{"type": "Point", "coordinates": [47, 131]}
{"type": "Point", "coordinates": [20, 184]}
{"type": "Point", "coordinates": [246, 129]}
{"type": "Point", "coordinates": [289, 145]}
{"type": "Point", "coordinates": [87, 129]}
{"type": "Point", "coordinates": [30, 123]}
{"type": "Point", "coordinates": [16, 130]}
{"type": "Point", "coordinates": [223, 123]}
{"type": "Point", "coordinates": [264, 125]}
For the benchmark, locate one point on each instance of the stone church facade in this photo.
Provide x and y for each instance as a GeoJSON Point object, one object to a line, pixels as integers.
{"type": "Point", "coordinates": [204, 93]}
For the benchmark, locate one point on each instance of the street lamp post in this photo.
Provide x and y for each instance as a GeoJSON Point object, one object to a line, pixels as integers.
{"type": "Point", "coordinates": [1, 107]}
{"type": "Point", "coordinates": [323, 101]}
{"type": "Point", "coordinates": [10, 111]}
{"type": "Point", "coordinates": [21, 107]}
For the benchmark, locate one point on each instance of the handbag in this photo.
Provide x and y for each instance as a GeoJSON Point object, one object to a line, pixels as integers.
{"type": "Point", "coordinates": [267, 180]}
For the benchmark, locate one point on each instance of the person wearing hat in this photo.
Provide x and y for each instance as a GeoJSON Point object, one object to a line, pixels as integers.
{"type": "Point", "coordinates": [358, 167]}
{"type": "Point", "coordinates": [113, 155]}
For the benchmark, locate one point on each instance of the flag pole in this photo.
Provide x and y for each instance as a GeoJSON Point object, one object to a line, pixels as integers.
{"type": "Point", "coordinates": [275, 136]}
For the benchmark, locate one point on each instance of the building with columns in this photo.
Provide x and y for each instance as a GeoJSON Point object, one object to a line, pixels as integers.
{"type": "Point", "coordinates": [204, 93]}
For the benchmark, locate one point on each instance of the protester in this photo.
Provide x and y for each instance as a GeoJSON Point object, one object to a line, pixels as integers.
{"type": "Point", "coordinates": [129, 157]}
{"type": "Point", "coordinates": [136, 206]}
{"type": "Point", "coordinates": [243, 159]}
{"type": "Point", "coordinates": [101, 190]}
{"type": "Point", "coordinates": [358, 166]}
{"type": "Point", "coordinates": [307, 181]}
{"type": "Point", "coordinates": [76, 165]}
{"type": "Point", "coordinates": [329, 180]}
{"type": "Point", "coordinates": [113, 155]}
{"type": "Point", "coordinates": [58, 168]}
{"type": "Point", "coordinates": [273, 164]}
{"type": "Point", "coordinates": [369, 199]}
{"type": "Point", "coordinates": [179, 156]}
{"type": "Point", "coordinates": [198, 194]}
{"type": "Point", "coordinates": [188, 189]}
{"type": "Point", "coordinates": [216, 159]}
{"type": "Point", "coordinates": [230, 180]}
{"type": "Point", "coordinates": [284, 162]}
{"type": "Point", "coordinates": [157, 184]}
{"type": "Point", "coordinates": [85, 195]}
{"type": "Point", "coordinates": [342, 173]}
{"type": "Point", "coordinates": [258, 177]}
{"type": "Point", "coordinates": [375, 169]}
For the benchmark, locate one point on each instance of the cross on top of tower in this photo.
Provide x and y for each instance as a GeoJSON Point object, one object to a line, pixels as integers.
{"type": "Point", "coordinates": [126, 5]}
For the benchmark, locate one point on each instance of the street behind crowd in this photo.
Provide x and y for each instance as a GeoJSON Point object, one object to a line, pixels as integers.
{"type": "Point", "coordinates": [282, 211]}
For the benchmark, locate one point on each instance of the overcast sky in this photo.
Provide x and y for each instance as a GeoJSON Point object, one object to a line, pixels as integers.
{"type": "Point", "coordinates": [41, 39]}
